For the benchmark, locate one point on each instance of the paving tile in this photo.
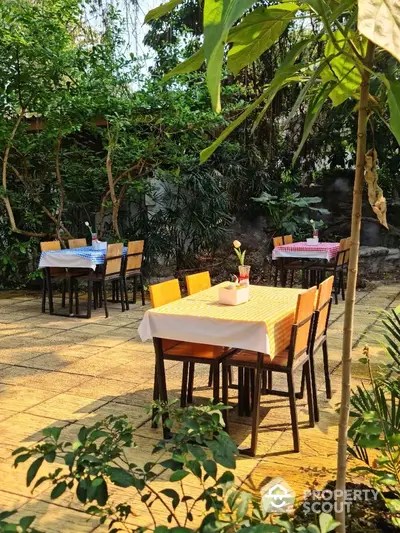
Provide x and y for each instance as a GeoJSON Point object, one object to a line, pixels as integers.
{"type": "Point", "coordinates": [25, 429]}
{"type": "Point", "coordinates": [50, 516]}
{"type": "Point", "coordinates": [41, 379]}
{"type": "Point", "coordinates": [66, 407]}
{"type": "Point", "coordinates": [103, 389]}
{"type": "Point", "coordinates": [69, 372]}
{"type": "Point", "coordinates": [10, 501]}
{"type": "Point", "coordinates": [18, 398]}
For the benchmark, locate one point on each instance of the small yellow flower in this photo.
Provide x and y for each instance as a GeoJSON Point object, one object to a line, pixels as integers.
{"type": "Point", "coordinates": [237, 244]}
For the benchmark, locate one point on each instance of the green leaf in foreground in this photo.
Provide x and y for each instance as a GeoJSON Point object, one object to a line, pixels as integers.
{"type": "Point", "coordinates": [161, 10]}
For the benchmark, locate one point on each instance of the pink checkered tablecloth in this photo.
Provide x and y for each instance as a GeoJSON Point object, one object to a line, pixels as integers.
{"type": "Point", "coordinates": [302, 250]}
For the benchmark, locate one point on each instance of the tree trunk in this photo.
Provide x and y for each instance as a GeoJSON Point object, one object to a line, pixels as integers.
{"type": "Point", "coordinates": [351, 290]}
{"type": "Point", "coordinates": [4, 196]}
{"type": "Point", "coordinates": [114, 199]}
{"type": "Point", "coordinates": [60, 188]}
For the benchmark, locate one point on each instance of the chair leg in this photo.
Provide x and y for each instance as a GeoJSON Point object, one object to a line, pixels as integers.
{"type": "Point", "coordinates": [310, 393]}
{"type": "Point", "coordinates": [71, 295]}
{"type": "Point", "coordinates": [215, 369]}
{"type": "Point", "coordinates": [326, 371]}
{"type": "Point", "coordinates": [252, 388]}
{"type": "Point", "coordinates": [134, 290]}
{"type": "Point", "coordinates": [342, 283]}
{"type": "Point", "coordinates": [210, 377]}
{"type": "Point", "coordinates": [292, 279]}
{"type": "Point", "coordinates": [156, 396]}
{"type": "Point", "coordinates": [256, 408]}
{"type": "Point", "coordinates": [162, 384]}
{"type": "Point", "coordinates": [120, 284]}
{"type": "Point", "coordinates": [336, 288]}
{"type": "Point", "coordinates": [44, 291]}
{"type": "Point", "coordinates": [124, 283]}
{"type": "Point", "coordinates": [76, 290]}
{"type": "Point", "coordinates": [184, 383]}
{"type": "Point", "coordinates": [105, 297]}
{"type": "Point", "coordinates": [89, 301]}
{"type": "Point", "coordinates": [142, 290]}
{"type": "Point", "coordinates": [49, 291]}
{"type": "Point", "coordinates": [313, 386]}
{"type": "Point", "coordinates": [240, 390]}
{"type": "Point", "coordinates": [246, 396]}
{"type": "Point", "coordinates": [293, 412]}
{"type": "Point", "coordinates": [191, 382]}
{"type": "Point", "coordinates": [225, 394]}
{"type": "Point", "coordinates": [64, 290]}
{"type": "Point", "coordinates": [300, 394]}
{"type": "Point", "coordinates": [95, 293]}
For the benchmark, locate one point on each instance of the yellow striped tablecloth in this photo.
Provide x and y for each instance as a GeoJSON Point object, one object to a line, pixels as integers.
{"type": "Point", "coordinates": [262, 324]}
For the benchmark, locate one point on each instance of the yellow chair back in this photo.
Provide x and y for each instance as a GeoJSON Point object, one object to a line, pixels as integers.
{"type": "Point", "coordinates": [304, 310]}
{"type": "Point", "coordinates": [165, 292]}
{"type": "Point", "coordinates": [77, 243]}
{"type": "Point", "coordinates": [288, 239]}
{"type": "Point", "coordinates": [50, 245]}
{"type": "Point", "coordinates": [278, 241]}
{"type": "Point", "coordinates": [323, 297]}
{"type": "Point", "coordinates": [198, 282]}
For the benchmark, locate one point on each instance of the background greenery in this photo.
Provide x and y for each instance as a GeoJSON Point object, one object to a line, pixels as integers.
{"type": "Point", "coordinates": [102, 140]}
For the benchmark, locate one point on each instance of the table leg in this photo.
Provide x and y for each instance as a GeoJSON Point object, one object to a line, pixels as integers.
{"type": "Point", "coordinates": [50, 291]}
{"type": "Point", "coordinates": [89, 302]}
{"type": "Point", "coordinates": [162, 384]}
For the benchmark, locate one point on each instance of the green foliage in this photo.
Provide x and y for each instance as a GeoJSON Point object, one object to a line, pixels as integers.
{"type": "Point", "coordinates": [375, 430]}
{"type": "Point", "coordinates": [102, 456]}
{"type": "Point", "coordinates": [22, 526]}
{"type": "Point", "coordinates": [290, 213]}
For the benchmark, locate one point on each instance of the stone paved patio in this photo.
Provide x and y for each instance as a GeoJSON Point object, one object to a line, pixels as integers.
{"type": "Point", "coordinates": [69, 372]}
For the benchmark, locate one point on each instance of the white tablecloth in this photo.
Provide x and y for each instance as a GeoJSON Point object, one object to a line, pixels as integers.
{"type": "Point", "coordinates": [85, 257]}
{"type": "Point", "coordinates": [263, 324]}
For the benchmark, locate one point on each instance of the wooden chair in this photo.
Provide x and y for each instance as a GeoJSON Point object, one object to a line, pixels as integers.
{"type": "Point", "coordinates": [77, 243]}
{"type": "Point", "coordinates": [277, 241]}
{"type": "Point", "coordinates": [198, 282]}
{"type": "Point", "coordinates": [111, 270]}
{"type": "Point", "coordinates": [185, 352]}
{"type": "Point", "coordinates": [133, 269]}
{"type": "Point", "coordinates": [289, 360]}
{"type": "Point", "coordinates": [319, 340]}
{"type": "Point", "coordinates": [52, 273]}
{"type": "Point", "coordinates": [286, 266]}
{"type": "Point", "coordinates": [317, 272]}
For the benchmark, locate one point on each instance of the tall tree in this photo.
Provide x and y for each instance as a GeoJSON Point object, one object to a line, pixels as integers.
{"type": "Point", "coordinates": [340, 70]}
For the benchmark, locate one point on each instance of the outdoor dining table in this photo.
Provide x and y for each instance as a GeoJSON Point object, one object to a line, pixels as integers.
{"type": "Point", "coordinates": [86, 258]}
{"type": "Point", "coordinates": [302, 250]}
{"type": "Point", "coordinates": [263, 324]}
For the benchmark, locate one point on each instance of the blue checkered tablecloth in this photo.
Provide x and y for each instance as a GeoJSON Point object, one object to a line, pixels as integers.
{"type": "Point", "coordinates": [85, 257]}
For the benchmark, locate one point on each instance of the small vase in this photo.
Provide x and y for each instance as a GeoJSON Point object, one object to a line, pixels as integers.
{"type": "Point", "coordinates": [244, 274]}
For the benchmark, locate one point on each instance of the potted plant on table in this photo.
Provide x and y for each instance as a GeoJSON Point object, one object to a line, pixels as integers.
{"type": "Point", "coordinates": [244, 270]}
